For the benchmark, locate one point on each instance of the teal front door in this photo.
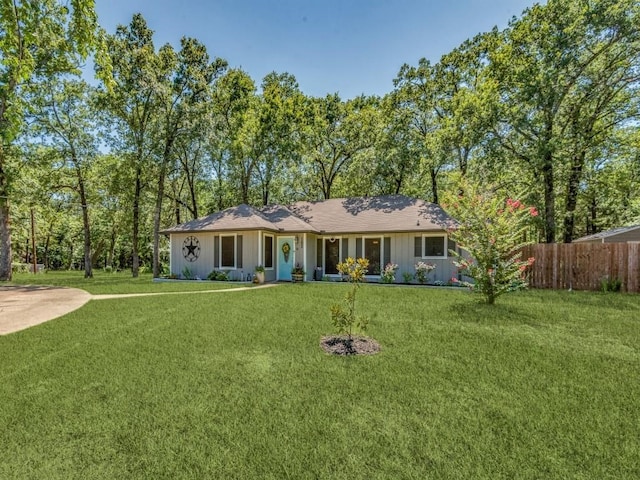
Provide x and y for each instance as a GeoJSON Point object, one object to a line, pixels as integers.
{"type": "Point", "coordinates": [286, 257]}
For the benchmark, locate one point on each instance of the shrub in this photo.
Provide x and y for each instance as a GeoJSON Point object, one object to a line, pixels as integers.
{"type": "Point", "coordinates": [187, 273]}
{"type": "Point", "coordinates": [218, 276]}
{"type": "Point", "coordinates": [422, 271]}
{"type": "Point", "coordinates": [388, 275]}
{"type": "Point", "coordinates": [108, 269]}
{"type": "Point", "coordinates": [407, 277]}
{"type": "Point", "coordinates": [20, 268]}
{"type": "Point", "coordinates": [610, 285]}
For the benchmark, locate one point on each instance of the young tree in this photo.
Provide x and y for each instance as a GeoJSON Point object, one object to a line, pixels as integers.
{"type": "Point", "coordinates": [492, 229]}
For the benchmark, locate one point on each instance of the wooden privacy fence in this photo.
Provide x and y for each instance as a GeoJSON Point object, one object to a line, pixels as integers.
{"type": "Point", "coordinates": [583, 266]}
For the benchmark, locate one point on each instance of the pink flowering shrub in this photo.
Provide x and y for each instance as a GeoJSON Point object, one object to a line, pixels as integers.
{"type": "Point", "coordinates": [492, 231]}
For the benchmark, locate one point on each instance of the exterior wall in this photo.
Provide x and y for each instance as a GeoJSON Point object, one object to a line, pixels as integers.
{"type": "Point", "coordinates": [204, 264]}
{"type": "Point", "coordinates": [401, 252]}
{"type": "Point", "coordinates": [310, 259]}
{"type": "Point", "coordinates": [631, 236]}
{"type": "Point", "coordinates": [269, 273]}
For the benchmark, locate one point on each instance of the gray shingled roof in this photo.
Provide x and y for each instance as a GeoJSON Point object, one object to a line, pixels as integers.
{"type": "Point", "coordinates": [388, 213]}
{"type": "Point", "coordinates": [242, 217]}
{"type": "Point", "coordinates": [607, 233]}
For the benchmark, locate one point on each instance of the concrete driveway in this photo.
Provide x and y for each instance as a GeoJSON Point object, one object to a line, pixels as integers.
{"type": "Point", "coordinates": [25, 306]}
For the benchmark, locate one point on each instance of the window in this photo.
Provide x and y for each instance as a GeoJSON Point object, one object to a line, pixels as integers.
{"type": "Point", "coordinates": [227, 251]}
{"type": "Point", "coordinates": [331, 255]}
{"type": "Point", "coordinates": [434, 246]}
{"type": "Point", "coordinates": [373, 253]}
{"type": "Point", "coordinates": [268, 251]}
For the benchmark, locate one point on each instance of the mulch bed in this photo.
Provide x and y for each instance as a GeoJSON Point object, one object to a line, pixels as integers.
{"type": "Point", "coordinates": [341, 345]}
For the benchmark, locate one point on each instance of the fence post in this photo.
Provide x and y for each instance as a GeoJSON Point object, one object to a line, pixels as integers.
{"type": "Point", "coordinates": [633, 268]}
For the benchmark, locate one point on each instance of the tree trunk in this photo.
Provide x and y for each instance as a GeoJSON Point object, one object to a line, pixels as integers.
{"type": "Point", "coordinates": [88, 272]}
{"type": "Point", "coordinates": [112, 249]}
{"type": "Point", "coordinates": [70, 264]}
{"type": "Point", "coordinates": [434, 185]}
{"type": "Point", "coordinates": [572, 196]}
{"type": "Point", "coordinates": [177, 212]}
{"type": "Point", "coordinates": [194, 199]}
{"type": "Point", "coordinates": [5, 223]}
{"type": "Point", "coordinates": [45, 260]}
{"type": "Point", "coordinates": [157, 213]}
{"type": "Point", "coordinates": [549, 200]}
{"type": "Point", "coordinates": [135, 260]}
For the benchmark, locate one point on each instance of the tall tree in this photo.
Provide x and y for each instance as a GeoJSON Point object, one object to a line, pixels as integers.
{"type": "Point", "coordinates": [37, 40]}
{"type": "Point", "coordinates": [557, 68]}
{"type": "Point", "coordinates": [279, 130]}
{"type": "Point", "coordinates": [130, 95]}
{"type": "Point", "coordinates": [236, 122]}
{"type": "Point", "coordinates": [64, 115]}
{"type": "Point", "coordinates": [183, 89]}
{"type": "Point", "coordinates": [335, 132]}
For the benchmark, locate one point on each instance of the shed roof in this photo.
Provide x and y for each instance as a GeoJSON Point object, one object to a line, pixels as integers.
{"type": "Point", "coordinates": [608, 233]}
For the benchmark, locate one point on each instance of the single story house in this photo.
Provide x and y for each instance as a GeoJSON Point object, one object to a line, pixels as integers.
{"type": "Point", "coordinates": [615, 235]}
{"type": "Point", "coordinates": [316, 236]}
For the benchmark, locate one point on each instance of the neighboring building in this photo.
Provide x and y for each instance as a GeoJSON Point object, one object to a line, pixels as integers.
{"type": "Point", "coordinates": [316, 236]}
{"type": "Point", "coordinates": [615, 235]}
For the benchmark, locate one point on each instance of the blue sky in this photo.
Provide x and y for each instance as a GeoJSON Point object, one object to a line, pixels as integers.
{"type": "Point", "coordinates": [349, 46]}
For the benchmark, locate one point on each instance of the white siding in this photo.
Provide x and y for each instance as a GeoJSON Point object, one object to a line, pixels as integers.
{"type": "Point", "coordinates": [402, 253]}
{"type": "Point", "coordinates": [203, 265]}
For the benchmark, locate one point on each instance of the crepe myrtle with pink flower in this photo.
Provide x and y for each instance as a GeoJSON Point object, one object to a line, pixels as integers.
{"type": "Point", "coordinates": [493, 229]}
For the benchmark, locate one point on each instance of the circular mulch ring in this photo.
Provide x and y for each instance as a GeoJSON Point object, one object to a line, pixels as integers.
{"type": "Point", "coordinates": [341, 345]}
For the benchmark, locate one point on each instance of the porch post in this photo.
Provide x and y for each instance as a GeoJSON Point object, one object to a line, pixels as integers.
{"type": "Point", "coordinates": [304, 254]}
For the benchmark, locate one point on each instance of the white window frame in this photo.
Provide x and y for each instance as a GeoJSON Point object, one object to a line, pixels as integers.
{"type": "Point", "coordinates": [381, 238]}
{"type": "Point", "coordinates": [273, 251]}
{"type": "Point", "coordinates": [235, 251]}
{"type": "Point", "coordinates": [446, 245]}
{"type": "Point", "coordinates": [324, 254]}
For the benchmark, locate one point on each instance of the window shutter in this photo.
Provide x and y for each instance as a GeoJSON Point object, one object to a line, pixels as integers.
{"type": "Point", "coordinates": [216, 251]}
{"type": "Point", "coordinates": [358, 247]}
{"type": "Point", "coordinates": [387, 251]}
{"type": "Point", "coordinates": [345, 248]}
{"type": "Point", "coordinates": [417, 247]}
{"type": "Point", "coordinates": [319, 253]}
{"type": "Point", "coordinates": [239, 251]}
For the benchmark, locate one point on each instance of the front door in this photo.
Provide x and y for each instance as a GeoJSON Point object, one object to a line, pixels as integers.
{"type": "Point", "coordinates": [286, 257]}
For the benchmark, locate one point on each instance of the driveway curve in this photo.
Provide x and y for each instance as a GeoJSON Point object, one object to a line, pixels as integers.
{"type": "Point", "coordinates": [23, 306]}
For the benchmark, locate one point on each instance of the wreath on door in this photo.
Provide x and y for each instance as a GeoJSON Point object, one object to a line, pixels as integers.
{"type": "Point", "coordinates": [286, 248]}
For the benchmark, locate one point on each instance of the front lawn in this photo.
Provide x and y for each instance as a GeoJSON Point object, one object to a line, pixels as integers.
{"type": "Point", "coordinates": [235, 386]}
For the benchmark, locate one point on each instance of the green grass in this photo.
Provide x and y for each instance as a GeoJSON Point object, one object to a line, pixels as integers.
{"type": "Point", "coordinates": [120, 282]}
{"type": "Point", "coordinates": [235, 386]}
